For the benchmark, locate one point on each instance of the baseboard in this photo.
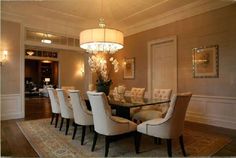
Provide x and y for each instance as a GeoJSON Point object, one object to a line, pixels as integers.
{"type": "Point", "coordinates": [11, 107]}
{"type": "Point", "coordinates": [213, 110]}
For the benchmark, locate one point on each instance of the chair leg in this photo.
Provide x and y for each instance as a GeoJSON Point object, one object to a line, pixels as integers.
{"type": "Point", "coordinates": [75, 129]}
{"type": "Point", "coordinates": [62, 120]}
{"type": "Point", "coordinates": [67, 126]}
{"type": "Point", "coordinates": [107, 140]}
{"type": "Point", "coordinates": [53, 115]}
{"type": "Point", "coordinates": [181, 142]}
{"type": "Point", "coordinates": [94, 140]}
{"type": "Point", "coordinates": [57, 117]}
{"type": "Point", "coordinates": [169, 146]}
{"type": "Point", "coordinates": [137, 139]}
{"type": "Point", "coordinates": [83, 134]}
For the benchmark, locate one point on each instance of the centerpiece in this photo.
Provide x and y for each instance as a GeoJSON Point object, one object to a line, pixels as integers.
{"type": "Point", "coordinates": [99, 66]}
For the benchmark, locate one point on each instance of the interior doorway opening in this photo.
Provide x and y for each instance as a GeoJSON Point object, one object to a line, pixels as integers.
{"type": "Point", "coordinates": [41, 72]}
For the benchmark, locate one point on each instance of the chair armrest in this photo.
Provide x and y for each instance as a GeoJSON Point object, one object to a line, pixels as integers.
{"type": "Point", "coordinates": [156, 122]}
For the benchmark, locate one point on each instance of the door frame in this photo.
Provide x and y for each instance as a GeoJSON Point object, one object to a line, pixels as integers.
{"type": "Point", "coordinates": [150, 44]}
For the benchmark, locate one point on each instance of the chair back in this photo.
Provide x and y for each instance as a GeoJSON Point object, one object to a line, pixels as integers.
{"type": "Point", "coordinates": [64, 103]}
{"type": "Point", "coordinates": [121, 90]}
{"type": "Point", "coordinates": [137, 92]}
{"type": "Point", "coordinates": [176, 114]}
{"type": "Point", "coordinates": [162, 93]}
{"type": "Point", "coordinates": [115, 91]}
{"type": "Point", "coordinates": [54, 100]}
{"type": "Point", "coordinates": [101, 112]}
{"type": "Point", "coordinates": [80, 111]}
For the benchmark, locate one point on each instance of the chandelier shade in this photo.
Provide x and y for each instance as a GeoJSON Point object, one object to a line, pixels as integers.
{"type": "Point", "coordinates": [101, 39]}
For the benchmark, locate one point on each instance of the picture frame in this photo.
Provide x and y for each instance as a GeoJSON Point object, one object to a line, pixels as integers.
{"type": "Point", "coordinates": [129, 68]}
{"type": "Point", "coordinates": [206, 62]}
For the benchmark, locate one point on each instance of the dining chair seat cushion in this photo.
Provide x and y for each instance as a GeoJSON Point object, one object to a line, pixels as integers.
{"type": "Point", "coordinates": [134, 111]}
{"type": "Point", "coordinates": [125, 125]}
{"type": "Point", "coordinates": [145, 115]}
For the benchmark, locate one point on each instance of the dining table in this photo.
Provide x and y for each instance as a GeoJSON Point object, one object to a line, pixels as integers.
{"type": "Point", "coordinates": [123, 105]}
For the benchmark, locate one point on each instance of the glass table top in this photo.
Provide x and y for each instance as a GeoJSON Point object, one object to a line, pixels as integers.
{"type": "Point", "coordinates": [130, 102]}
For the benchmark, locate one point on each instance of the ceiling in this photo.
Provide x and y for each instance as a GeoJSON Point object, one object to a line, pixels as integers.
{"type": "Point", "coordinates": [129, 16]}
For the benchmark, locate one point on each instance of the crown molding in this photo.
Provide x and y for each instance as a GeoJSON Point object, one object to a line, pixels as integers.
{"type": "Point", "coordinates": [189, 10]}
{"type": "Point", "coordinates": [72, 29]}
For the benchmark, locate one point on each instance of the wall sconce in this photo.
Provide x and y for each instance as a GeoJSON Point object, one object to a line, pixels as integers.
{"type": "Point", "coordinates": [3, 57]}
{"type": "Point", "coordinates": [82, 71]}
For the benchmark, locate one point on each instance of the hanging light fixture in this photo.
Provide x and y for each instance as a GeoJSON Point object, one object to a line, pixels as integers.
{"type": "Point", "coordinates": [101, 39]}
{"type": "Point", "coordinates": [46, 39]}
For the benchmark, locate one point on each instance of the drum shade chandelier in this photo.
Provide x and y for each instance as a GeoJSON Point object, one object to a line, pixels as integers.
{"type": "Point", "coordinates": [101, 39]}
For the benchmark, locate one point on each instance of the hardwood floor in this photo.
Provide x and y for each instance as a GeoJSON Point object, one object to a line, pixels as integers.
{"type": "Point", "coordinates": [36, 108]}
{"type": "Point", "coordinates": [14, 143]}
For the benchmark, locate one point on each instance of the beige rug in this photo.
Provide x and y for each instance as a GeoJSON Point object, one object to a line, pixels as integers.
{"type": "Point", "coordinates": [50, 142]}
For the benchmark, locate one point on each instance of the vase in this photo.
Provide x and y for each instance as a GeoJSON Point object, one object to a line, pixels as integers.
{"type": "Point", "coordinates": [103, 88]}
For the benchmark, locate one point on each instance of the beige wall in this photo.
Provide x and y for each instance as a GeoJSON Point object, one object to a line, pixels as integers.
{"type": "Point", "coordinates": [10, 72]}
{"type": "Point", "coordinates": [215, 27]}
{"type": "Point", "coordinates": [70, 63]}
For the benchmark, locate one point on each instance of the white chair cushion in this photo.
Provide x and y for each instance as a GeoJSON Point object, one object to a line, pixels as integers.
{"type": "Point", "coordinates": [145, 115]}
{"type": "Point", "coordinates": [131, 126]}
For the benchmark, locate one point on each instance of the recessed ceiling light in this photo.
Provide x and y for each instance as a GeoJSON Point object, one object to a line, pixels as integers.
{"type": "Point", "coordinates": [46, 61]}
{"type": "Point", "coordinates": [47, 41]}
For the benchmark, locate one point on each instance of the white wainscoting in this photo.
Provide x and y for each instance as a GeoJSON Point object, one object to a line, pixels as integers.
{"type": "Point", "coordinates": [11, 107]}
{"type": "Point", "coordinates": [213, 110]}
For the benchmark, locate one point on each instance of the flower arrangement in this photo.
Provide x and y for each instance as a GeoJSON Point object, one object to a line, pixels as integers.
{"type": "Point", "coordinates": [99, 66]}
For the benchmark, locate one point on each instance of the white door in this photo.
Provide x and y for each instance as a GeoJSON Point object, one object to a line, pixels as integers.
{"type": "Point", "coordinates": [162, 64]}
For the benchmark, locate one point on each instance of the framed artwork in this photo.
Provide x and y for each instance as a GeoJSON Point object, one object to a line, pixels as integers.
{"type": "Point", "coordinates": [205, 62]}
{"type": "Point", "coordinates": [129, 68]}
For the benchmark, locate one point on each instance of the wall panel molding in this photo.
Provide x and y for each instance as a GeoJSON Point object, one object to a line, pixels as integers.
{"type": "Point", "coordinates": [213, 110]}
{"type": "Point", "coordinates": [11, 107]}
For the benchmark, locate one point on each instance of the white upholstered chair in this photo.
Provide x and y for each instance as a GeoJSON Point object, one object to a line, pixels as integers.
{"type": "Point", "coordinates": [106, 124]}
{"type": "Point", "coordinates": [154, 111]}
{"type": "Point", "coordinates": [82, 116]}
{"type": "Point", "coordinates": [66, 108]}
{"type": "Point", "coordinates": [56, 111]}
{"type": "Point", "coordinates": [172, 125]}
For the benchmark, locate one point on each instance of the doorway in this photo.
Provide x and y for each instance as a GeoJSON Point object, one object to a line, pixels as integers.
{"type": "Point", "coordinates": [162, 65]}
{"type": "Point", "coordinates": [39, 75]}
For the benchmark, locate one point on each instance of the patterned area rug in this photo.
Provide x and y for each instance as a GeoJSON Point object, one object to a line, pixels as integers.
{"type": "Point", "coordinates": [50, 142]}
